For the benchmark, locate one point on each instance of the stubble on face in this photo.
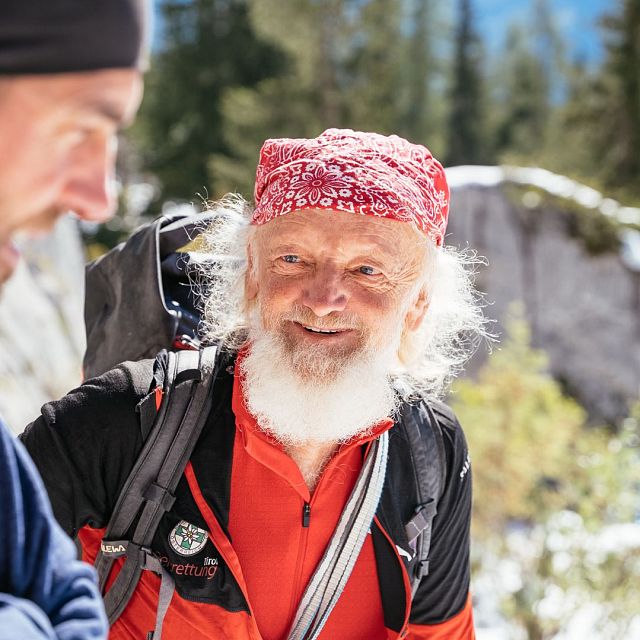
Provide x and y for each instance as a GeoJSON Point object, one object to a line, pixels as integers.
{"type": "Point", "coordinates": [314, 362]}
{"type": "Point", "coordinates": [344, 240]}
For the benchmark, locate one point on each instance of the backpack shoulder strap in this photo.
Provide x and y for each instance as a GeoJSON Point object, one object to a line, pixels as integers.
{"type": "Point", "coordinates": [149, 489]}
{"type": "Point", "coordinates": [428, 460]}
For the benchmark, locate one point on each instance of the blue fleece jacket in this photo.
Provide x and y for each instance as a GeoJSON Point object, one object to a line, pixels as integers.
{"type": "Point", "coordinates": [45, 592]}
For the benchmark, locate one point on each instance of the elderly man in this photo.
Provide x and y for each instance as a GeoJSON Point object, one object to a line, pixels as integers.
{"type": "Point", "coordinates": [341, 318]}
{"type": "Point", "coordinates": [70, 76]}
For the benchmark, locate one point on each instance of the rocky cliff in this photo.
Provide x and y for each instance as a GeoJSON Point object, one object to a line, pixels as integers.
{"type": "Point", "coordinates": [41, 326]}
{"type": "Point", "coordinates": [572, 257]}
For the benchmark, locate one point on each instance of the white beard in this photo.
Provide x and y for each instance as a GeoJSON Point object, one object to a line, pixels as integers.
{"type": "Point", "coordinates": [316, 409]}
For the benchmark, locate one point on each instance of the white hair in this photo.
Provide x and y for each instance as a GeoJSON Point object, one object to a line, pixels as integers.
{"type": "Point", "coordinates": [429, 357]}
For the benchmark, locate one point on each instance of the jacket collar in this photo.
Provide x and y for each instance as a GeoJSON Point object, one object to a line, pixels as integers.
{"type": "Point", "coordinates": [269, 451]}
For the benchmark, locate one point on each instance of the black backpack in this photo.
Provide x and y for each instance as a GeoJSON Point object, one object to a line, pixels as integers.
{"type": "Point", "coordinates": [139, 303]}
{"type": "Point", "coordinates": [138, 298]}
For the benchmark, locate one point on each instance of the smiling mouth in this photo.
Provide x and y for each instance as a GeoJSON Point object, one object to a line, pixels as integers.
{"type": "Point", "coordinates": [318, 331]}
{"type": "Point", "coordinates": [313, 330]}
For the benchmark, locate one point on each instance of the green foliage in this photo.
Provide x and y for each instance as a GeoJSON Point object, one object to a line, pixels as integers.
{"type": "Point", "coordinates": [514, 413]}
{"type": "Point", "coordinates": [273, 109]}
{"type": "Point", "coordinates": [599, 234]}
{"type": "Point", "coordinates": [416, 99]}
{"type": "Point", "coordinates": [619, 86]}
{"type": "Point", "coordinates": [347, 65]}
{"type": "Point", "coordinates": [528, 82]}
{"type": "Point", "coordinates": [209, 46]}
{"type": "Point", "coordinates": [571, 138]}
{"type": "Point", "coordinates": [371, 68]}
{"type": "Point", "coordinates": [523, 101]}
{"type": "Point", "coordinates": [595, 133]}
{"type": "Point", "coordinates": [466, 127]}
{"type": "Point", "coordinates": [300, 101]}
{"type": "Point", "coordinates": [550, 494]}
{"type": "Point", "coordinates": [231, 73]}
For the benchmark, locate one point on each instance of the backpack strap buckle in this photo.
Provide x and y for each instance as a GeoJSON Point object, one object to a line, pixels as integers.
{"type": "Point", "coordinates": [160, 496]}
{"type": "Point", "coordinates": [150, 562]}
{"type": "Point", "coordinates": [421, 569]}
{"type": "Point", "coordinates": [422, 519]}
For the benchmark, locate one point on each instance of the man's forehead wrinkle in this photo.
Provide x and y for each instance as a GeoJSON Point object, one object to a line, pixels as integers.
{"type": "Point", "coordinates": [101, 95]}
{"type": "Point", "coordinates": [110, 110]}
{"type": "Point", "coordinates": [259, 240]}
{"type": "Point", "coordinates": [340, 246]}
{"type": "Point", "coordinates": [347, 229]}
{"type": "Point", "coordinates": [103, 106]}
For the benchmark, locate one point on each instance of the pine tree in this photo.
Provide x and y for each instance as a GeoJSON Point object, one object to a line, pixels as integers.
{"type": "Point", "coordinates": [344, 68]}
{"type": "Point", "coordinates": [618, 112]}
{"type": "Point", "coordinates": [415, 73]}
{"type": "Point", "coordinates": [209, 46]}
{"type": "Point", "coordinates": [522, 101]}
{"type": "Point", "coordinates": [548, 49]}
{"type": "Point", "coordinates": [573, 131]}
{"type": "Point", "coordinates": [466, 126]}
{"type": "Point", "coordinates": [531, 85]}
{"type": "Point", "coordinates": [301, 100]}
{"type": "Point", "coordinates": [371, 81]}
{"type": "Point", "coordinates": [595, 133]}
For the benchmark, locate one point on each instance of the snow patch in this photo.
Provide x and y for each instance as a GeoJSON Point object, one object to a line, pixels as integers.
{"type": "Point", "coordinates": [553, 183]}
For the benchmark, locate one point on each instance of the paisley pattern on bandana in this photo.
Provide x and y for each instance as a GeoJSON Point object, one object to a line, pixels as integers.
{"type": "Point", "coordinates": [354, 172]}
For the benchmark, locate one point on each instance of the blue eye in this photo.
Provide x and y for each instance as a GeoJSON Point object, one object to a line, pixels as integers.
{"type": "Point", "coordinates": [367, 270]}
{"type": "Point", "coordinates": [291, 259]}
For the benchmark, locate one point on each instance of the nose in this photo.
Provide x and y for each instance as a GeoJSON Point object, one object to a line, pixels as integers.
{"type": "Point", "coordinates": [90, 187]}
{"type": "Point", "coordinates": [325, 292]}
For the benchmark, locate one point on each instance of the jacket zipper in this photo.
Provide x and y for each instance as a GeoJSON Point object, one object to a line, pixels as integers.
{"type": "Point", "coordinates": [302, 552]}
{"type": "Point", "coordinates": [297, 593]}
{"type": "Point", "coordinates": [306, 515]}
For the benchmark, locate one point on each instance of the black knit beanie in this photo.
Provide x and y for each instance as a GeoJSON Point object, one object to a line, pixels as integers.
{"type": "Point", "coordinates": [57, 36]}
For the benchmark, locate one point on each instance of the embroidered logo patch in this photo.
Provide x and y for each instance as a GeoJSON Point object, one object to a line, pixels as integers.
{"type": "Point", "coordinates": [187, 539]}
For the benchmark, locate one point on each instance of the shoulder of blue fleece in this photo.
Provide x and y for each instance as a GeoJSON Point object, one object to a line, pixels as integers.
{"type": "Point", "coordinates": [45, 591]}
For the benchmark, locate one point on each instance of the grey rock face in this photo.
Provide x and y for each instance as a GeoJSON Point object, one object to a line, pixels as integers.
{"type": "Point", "coordinates": [583, 307]}
{"type": "Point", "coordinates": [41, 325]}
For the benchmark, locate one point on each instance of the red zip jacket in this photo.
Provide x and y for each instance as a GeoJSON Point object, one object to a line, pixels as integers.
{"type": "Point", "coordinates": [244, 534]}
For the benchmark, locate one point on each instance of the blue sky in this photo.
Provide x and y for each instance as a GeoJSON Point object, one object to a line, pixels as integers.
{"type": "Point", "coordinates": [576, 20]}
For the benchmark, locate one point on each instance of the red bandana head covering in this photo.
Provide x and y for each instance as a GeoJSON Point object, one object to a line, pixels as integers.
{"type": "Point", "coordinates": [345, 170]}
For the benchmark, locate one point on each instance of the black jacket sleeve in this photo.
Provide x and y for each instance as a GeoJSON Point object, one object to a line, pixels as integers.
{"type": "Point", "coordinates": [443, 593]}
{"type": "Point", "coordinates": [86, 444]}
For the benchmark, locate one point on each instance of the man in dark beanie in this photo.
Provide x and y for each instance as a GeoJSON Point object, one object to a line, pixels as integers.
{"type": "Point", "coordinates": [70, 77]}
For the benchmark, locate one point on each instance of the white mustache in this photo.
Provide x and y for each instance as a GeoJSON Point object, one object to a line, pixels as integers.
{"type": "Point", "coordinates": [307, 319]}
{"type": "Point", "coordinates": [322, 327]}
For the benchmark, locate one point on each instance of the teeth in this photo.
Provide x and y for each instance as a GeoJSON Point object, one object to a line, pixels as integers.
{"type": "Point", "coordinates": [320, 330]}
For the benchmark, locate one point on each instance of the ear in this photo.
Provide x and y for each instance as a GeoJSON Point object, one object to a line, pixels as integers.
{"type": "Point", "coordinates": [250, 280]}
{"type": "Point", "coordinates": [417, 311]}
